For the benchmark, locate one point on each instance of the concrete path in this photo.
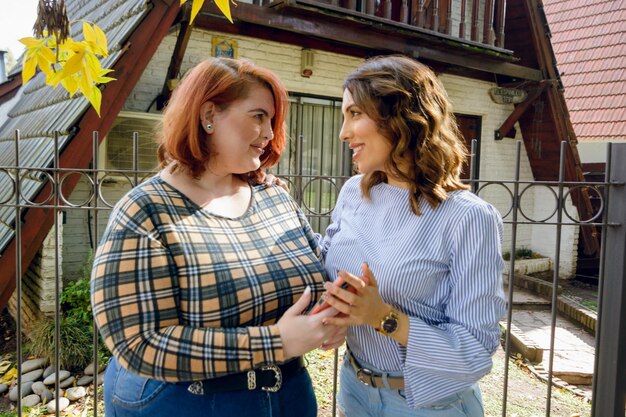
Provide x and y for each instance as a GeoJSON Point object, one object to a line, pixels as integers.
{"type": "Point", "coordinates": [574, 347]}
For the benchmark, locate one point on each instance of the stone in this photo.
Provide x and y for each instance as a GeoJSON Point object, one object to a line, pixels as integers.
{"type": "Point", "coordinates": [50, 378]}
{"type": "Point", "coordinates": [27, 388]}
{"type": "Point", "coordinates": [67, 382]}
{"type": "Point", "coordinates": [33, 364]}
{"type": "Point", "coordinates": [32, 375]}
{"type": "Point", "coordinates": [63, 403]}
{"type": "Point", "coordinates": [100, 378]}
{"type": "Point", "coordinates": [46, 396]}
{"type": "Point", "coordinates": [75, 393]}
{"type": "Point", "coordinates": [39, 387]}
{"type": "Point", "coordinates": [89, 368]}
{"type": "Point", "coordinates": [48, 371]}
{"type": "Point", "coordinates": [31, 400]}
{"type": "Point", "coordinates": [3, 388]}
{"type": "Point", "coordinates": [85, 380]}
{"type": "Point", "coordinates": [61, 393]}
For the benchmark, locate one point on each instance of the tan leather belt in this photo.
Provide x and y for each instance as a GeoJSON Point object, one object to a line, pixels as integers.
{"type": "Point", "coordinates": [374, 379]}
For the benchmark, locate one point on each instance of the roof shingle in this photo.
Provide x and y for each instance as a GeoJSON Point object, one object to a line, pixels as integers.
{"type": "Point", "coordinates": [589, 41]}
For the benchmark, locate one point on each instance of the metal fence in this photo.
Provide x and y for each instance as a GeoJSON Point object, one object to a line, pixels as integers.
{"type": "Point", "coordinates": [609, 385]}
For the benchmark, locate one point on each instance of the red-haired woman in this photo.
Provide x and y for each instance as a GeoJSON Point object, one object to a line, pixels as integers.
{"type": "Point", "coordinates": [195, 282]}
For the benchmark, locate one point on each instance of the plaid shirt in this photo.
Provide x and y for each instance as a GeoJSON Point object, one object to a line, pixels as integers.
{"type": "Point", "coordinates": [181, 294]}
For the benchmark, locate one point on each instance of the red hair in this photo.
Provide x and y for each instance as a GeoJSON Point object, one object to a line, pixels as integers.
{"type": "Point", "coordinates": [222, 81]}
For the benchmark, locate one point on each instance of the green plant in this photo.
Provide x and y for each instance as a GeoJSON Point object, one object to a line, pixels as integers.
{"type": "Point", "coordinates": [522, 253]}
{"type": "Point", "coordinates": [75, 345]}
{"type": "Point", "coordinates": [75, 297]}
{"type": "Point", "coordinates": [76, 326]}
{"type": "Point", "coordinates": [591, 305]}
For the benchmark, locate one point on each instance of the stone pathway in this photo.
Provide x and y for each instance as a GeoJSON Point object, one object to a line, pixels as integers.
{"type": "Point", "coordinates": [574, 347]}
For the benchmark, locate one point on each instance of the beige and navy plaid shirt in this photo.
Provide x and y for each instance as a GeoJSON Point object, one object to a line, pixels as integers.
{"type": "Point", "coordinates": [180, 294]}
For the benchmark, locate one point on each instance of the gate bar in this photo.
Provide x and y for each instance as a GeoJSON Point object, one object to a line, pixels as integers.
{"type": "Point", "coordinates": [609, 389]}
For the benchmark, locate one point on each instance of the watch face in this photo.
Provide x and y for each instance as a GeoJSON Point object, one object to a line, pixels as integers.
{"type": "Point", "coordinates": [390, 325]}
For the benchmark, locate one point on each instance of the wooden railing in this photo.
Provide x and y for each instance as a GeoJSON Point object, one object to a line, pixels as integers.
{"type": "Point", "coordinates": [483, 18]}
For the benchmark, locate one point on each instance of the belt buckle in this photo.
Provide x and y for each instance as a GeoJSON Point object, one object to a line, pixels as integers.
{"type": "Point", "coordinates": [361, 373]}
{"type": "Point", "coordinates": [277, 375]}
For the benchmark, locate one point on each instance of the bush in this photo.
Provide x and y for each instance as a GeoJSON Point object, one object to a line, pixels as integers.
{"type": "Point", "coordinates": [76, 326]}
{"type": "Point", "coordinates": [75, 346]}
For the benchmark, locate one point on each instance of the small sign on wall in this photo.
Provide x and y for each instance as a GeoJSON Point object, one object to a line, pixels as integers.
{"type": "Point", "coordinates": [503, 95]}
{"type": "Point", "coordinates": [223, 48]}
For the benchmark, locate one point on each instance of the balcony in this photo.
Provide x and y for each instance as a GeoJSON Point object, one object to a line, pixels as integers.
{"type": "Point", "coordinates": [477, 22]}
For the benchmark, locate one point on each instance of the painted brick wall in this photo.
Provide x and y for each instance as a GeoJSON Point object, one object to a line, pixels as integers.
{"type": "Point", "coordinates": [38, 283]}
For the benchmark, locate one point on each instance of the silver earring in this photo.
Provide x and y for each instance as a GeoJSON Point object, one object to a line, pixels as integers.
{"type": "Point", "coordinates": [209, 126]}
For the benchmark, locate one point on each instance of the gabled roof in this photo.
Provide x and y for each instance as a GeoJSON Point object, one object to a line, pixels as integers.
{"type": "Point", "coordinates": [42, 110]}
{"type": "Point", "coordinates": [589, 40]}
{"type": "Point", "coordinates": [134, 30]}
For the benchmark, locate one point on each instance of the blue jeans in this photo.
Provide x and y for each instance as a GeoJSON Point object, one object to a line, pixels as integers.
{"type": "Point", "coordinates": [356, 399]}
{"type": "Point", "coordinates": [129, 395]}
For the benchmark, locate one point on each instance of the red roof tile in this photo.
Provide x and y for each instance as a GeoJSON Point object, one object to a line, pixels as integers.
{"type": "Point", "coordinates": [589, 41]}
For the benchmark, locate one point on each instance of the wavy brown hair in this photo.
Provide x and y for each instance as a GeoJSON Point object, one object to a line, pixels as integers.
{"type": "Point", "coordinates": [411, 109]}
{"type": "Point", "coordinates": [182, 139]}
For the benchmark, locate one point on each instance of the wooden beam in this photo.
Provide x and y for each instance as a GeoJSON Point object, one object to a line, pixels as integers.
{"type": "Point", "coordinates": [184, 33]}
{"type": "Point", "coordinates": [10, 87]}
{"type": "Point", "coordinates": [519, 110]}
{"type": "Point", "coordinates": [141, 46]}
{"type": "Point", "coordinates": [561, 120]}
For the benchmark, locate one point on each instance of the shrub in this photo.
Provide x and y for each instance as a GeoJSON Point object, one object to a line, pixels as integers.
{"type": "Point", "coordinates": [76, 326]}
{"type": "Point", "coordinates": [75, 345]}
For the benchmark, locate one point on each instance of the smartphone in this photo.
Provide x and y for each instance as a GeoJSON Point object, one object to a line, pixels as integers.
{"type": "Point", "coordinates": [323, 305]}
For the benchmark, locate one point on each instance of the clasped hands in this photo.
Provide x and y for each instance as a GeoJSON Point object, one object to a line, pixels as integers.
{"type": "Point", "coordinates": [355, 308]}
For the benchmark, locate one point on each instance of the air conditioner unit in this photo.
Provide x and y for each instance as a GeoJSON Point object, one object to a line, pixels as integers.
{"type": "Point", "coordinates": [118, 150]}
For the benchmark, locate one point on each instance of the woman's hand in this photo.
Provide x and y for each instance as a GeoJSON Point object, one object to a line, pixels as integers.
{"type": "Point", "coordinates": [363, 307]}
{"type": "Point", "coordinates": [303, 333]}
{"type": "Point", "coordinates": [269, 179]}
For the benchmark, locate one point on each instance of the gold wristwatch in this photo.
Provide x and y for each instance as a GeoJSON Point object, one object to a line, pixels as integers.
{"type": "Point", "coordinates": [389, 323]}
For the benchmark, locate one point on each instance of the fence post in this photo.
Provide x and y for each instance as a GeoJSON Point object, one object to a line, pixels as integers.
{"type": "Point", "coordinates": [609, 390]}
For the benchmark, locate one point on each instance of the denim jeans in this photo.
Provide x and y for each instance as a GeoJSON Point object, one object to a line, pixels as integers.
{"type": "Point", "coordinates": [356, 399]}
{"type": "Point", "coordinates": [129, 395]}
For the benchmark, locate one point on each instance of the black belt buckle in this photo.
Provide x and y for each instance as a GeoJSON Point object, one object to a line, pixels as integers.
{"type": "Point", "coordinates": [362, 373]}
{"type": "Point", "coordinates": [278, 377]}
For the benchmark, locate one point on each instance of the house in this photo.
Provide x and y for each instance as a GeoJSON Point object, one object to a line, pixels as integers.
{"type": "Point", "coordinates": [488, 54]}
{"type": "Point", "coordinates": [589, 40]}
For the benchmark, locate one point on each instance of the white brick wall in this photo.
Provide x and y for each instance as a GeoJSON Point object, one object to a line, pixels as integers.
{"type": "Point", "coordinates": [38, 284]}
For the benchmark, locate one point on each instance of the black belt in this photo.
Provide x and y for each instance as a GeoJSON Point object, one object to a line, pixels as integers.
{"type": "Point", "coordinates": [267, 378]}
{"type": "Point", "coordinates": [374, 379]}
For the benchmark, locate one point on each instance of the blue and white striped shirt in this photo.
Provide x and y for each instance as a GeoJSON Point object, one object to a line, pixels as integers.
{"type": "Point", "coordinates": [443, 269]}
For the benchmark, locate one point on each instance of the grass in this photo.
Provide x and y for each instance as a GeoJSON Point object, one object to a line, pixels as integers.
{"type": "Point", "coordinates": [590, 304]}
{"type": "Point", "coordinates": [526, 396]}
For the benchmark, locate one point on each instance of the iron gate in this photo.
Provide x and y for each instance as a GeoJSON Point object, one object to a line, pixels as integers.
{"type": "Point", "coordinates": [317, 192]}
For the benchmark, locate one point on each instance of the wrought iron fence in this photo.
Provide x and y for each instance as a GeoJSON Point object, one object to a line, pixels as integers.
{"type": "Point", "coordinates": [317, 195]}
